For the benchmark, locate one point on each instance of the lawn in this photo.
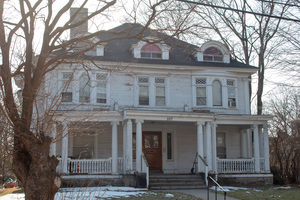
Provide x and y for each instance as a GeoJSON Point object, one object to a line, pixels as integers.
{"type": "Point", "coordinates": [282, 193]}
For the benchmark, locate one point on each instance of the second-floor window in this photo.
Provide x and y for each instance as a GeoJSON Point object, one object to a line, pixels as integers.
{"type": "Point", "coordinates": [84, 89]}
{"type": "Point", "coordinates": [217, 93]}
{"type": "Point", "coordinates": [67, 87]}
{"type": "Point", "coordinates": [160, 94]}
{"type": "Point", "coordinates": [200, 91]}
{"type": "Point", "coordinates": [231, 91]}
{"type": "Point", "coordinates": [101, 88]}
{"type": "Point", "coordinates": [143, 91]}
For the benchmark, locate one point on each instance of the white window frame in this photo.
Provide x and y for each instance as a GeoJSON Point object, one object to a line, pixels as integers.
{"type": "Point", "coordinates": [90, 86]}
{"type": "Point", "coordinates": [152, 91]}
{"type": "Point", "coordinates": [195, 85]}
{"type": "Point", "coordinates": [234, 86]}
{"type": "Point", "coordinates": [71, 84]}
{"type": "Point", "coordinates": [143, 85]}
{"type": "Point", "coordinates": [221, 93]}
{"type": "Point", "coordinates": [160, 85]}
{"type": "Point", "coordinates": [102, 81]}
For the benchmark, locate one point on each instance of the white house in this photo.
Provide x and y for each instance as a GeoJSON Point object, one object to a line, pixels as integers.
{"type": "Point", "coordinates": [160, 103]}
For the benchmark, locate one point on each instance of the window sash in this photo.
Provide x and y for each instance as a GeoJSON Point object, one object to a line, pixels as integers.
{"type": "Point", "coordinates": [101, 93]}
{"type": "Point", "coordinates": [217, 93]}
{"type": "Point", "coordinates": [201, 96]}
{"type": "Point", "coordinates": [84, 89]}
{"type": "Point", "coordinates": [160, 99]}
{"type": "Point", "coordinates": [144, 95]}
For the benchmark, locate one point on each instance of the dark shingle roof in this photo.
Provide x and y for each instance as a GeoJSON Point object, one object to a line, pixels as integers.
{"type": "Point", "coordinates": [125, 35]}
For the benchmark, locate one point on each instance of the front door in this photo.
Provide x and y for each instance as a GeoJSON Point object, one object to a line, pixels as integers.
{"type": "Point", "coordinates": [152, 150]}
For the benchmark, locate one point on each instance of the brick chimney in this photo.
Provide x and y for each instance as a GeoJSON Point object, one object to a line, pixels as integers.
{"type": "Point", "coordinates": [83, 28]}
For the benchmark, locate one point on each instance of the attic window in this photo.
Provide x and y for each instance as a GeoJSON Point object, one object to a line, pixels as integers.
{"type": "Point", "coordinates": [151, 51]}
{"type": "Point", "coordinates": [213, 54]}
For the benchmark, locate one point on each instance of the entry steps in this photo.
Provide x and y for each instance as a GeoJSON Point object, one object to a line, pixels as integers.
{"type": "Point", "coordinates": [175, 181]}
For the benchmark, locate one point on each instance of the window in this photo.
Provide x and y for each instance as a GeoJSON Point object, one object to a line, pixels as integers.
{"type": "Point", "coordinates": [217, 93]}
{"type": "Point", "coordinates": [169, 146]}
{"type": "Point", "coordinates": [143, 91]}
{"type": "Point", "coordinates": [84, 89]}
{"type": "Point", "coordinates": [200, 91]}
{"type": "Point", "coordinates": [231, 91]}
{"type": "Point", "coordinates": [213, 54]}
{"type": "Point", "coordinates": [101, 88]}
{"type": "Point", "coordinates": [67, 87]}
{"type": "Point", "coordinates": [221, 145]}
{"type": "Point", "coordinates": [83, 146]}
{"type": "Point", "coordinates": [151, 51]}
{"type": "Point", "coordinates": [160, 98]}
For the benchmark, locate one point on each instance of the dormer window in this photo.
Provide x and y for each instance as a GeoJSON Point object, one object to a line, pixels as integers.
{"type": "Point", "coordinates": [151, 51]}
{"type": "Point", "coordinates": [213, 51]}
{"type": "Point", "coordinates": [213, 54]}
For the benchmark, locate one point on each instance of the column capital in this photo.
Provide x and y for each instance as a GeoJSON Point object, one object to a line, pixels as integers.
{"type": "Point", "coordinates": [200, 123]}
{"type": "Point", "coordinates": [208, 123]}
{"type": "Point", "coordinates": [115, 123]}
{"type": "Point", "coordinates": [266, 125]}
{"type": "Point", "coordinates": [139, 121]}
{"type": "Point", "coordinates": [254, 126]}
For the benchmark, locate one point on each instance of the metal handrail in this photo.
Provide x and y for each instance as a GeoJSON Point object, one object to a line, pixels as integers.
{"type": "Point", "coordinates": [216, 184]}
{"type": "Point", "coordinates": [144, 160]}
{"type": "Point", "coordinates": [206, 168]}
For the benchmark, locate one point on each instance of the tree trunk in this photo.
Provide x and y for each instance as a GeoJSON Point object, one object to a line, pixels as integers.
{"type": "Point", "coordinates": [34, 168]}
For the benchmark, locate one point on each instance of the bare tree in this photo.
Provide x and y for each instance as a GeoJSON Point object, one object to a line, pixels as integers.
{"type": "Point", "coordinates": [25, 22]}
{"type": "Point", "coordinates": [285, 138]}
{"type": "Point", "coordinates": [250, 36]}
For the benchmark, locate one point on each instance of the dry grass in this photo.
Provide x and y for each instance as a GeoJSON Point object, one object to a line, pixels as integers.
{"type": "Point", "coordinates": [6, 191]}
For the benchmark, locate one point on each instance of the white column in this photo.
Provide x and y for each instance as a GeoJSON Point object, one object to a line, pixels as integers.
{"type": "Point", "coordinates": [246, 95]}
{"type": "Point", "coordinates": [261, 142]}
{"type": "Point", "coordinates": [249, 143]}
{"type": "Point", "coordinates": [256, 148]}
{"type": "Point", "coordinates": [214, 146]}
{"type": "Point", "coordinates": [200, 142]}
{"type": "Point", "coordinates": [266, 148]}
{"type": "Point", "coordinates": [64, 148]}
{"type": "Point", "coordinates": [129, 146]}
{"type": "Point", "coordinates": [114, 162]}
{"type": "Point", "coordinates": [139, 145]}
{"type": "Point", "coordinates": [208, 145]}
{"type": "Point", "coordinates": [52, 151]}
{"type": "Point", "coordinates": [124, 146]}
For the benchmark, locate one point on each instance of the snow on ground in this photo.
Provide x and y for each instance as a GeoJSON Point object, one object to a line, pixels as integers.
{"type": "Point", "coordinates": [228, 188]}
{"type": "Point", "coordinates": [87, 193]}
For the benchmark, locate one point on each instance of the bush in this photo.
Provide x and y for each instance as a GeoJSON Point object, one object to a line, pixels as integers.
{"type": "Point", "coordinates": [277, 177]}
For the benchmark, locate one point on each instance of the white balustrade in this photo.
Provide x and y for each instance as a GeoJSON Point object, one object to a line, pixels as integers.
{"type": "Point", "coordinates": [235, 165]}
{"type": "Point", "coordinates": [92, 166]}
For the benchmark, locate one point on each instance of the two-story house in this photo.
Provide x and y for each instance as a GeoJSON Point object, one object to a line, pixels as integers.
{"type": "Point", "coordinates": [159, 102]}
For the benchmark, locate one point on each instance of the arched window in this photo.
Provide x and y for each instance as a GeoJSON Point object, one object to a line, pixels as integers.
{"type": "Point", "coordinates": [151, 51]}
{"type": "Point", "coordinates": [212, 54]}
{"type": "Point", "coordinates": [84, 89]}
{"type": "Point", "coordinates": [217, 93]}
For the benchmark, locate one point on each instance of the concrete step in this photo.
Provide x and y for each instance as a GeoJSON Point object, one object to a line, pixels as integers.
{"type": "Point", "coordinates": [175, 181]}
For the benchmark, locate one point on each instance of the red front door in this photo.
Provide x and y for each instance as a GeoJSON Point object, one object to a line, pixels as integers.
{"type": "Point", "coordinates": [152, 150]}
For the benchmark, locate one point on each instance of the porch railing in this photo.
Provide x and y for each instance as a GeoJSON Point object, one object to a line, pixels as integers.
{"type": "Point", "coordinates": [145, 169]}
{"type": "Point", "coordinates": [235, 165]}
{"type": "Point", "coordinates": [91, 166]}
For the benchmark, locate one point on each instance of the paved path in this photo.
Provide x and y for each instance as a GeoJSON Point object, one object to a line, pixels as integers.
{"type": "Point", "coordinates": [202, 193]}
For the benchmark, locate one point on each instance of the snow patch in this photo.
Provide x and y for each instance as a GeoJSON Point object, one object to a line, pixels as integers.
{"type": "Point", "coordinates": [169, 195]}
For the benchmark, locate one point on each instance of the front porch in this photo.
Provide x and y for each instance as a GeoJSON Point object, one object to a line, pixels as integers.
{"type": "Point", "coordinates": [126, 144]}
